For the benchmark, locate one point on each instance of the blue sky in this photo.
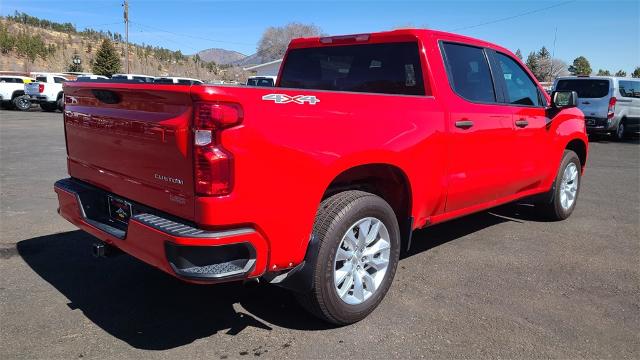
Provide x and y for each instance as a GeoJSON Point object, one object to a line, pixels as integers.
{"type": "Point", "coordinates": [606, 32]}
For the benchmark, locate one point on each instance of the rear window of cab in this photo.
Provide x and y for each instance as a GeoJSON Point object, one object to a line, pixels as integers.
{"type": "Point", "coordinates": [389, 68]}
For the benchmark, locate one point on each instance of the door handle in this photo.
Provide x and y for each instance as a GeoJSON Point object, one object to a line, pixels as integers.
{"type": "Point", "coordinates": [522, 123]}
{"type": "Point", "coordinates": [464, 124]}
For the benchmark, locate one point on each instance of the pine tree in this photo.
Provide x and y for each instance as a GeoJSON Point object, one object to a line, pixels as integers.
{"type": "Point", "coordinates": [621, 73]}
{"type": "Point", "coordinates": [73, 67]}
{"type": "Point", "coordinates": [532, 64]}
{"type": "Point", "coordinates": [636, 72]}
{"type": "Point", "coordinates": [604, 72]}
{"type": "Point", "coordinates": [106, 61]}
{"type": "Point", "coordinates": [519, 54]}
{"type": "Point", "coordinates": [544, 53]}
{"type": "Point", "coordinates": [580, 66]}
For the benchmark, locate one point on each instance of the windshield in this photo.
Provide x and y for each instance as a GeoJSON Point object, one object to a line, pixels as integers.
{"type": "Point", "coordinates": [586, 88]}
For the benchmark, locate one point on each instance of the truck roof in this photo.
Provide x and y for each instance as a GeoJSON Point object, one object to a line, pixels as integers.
{"type": "Point", "coordinates": [388, 36]}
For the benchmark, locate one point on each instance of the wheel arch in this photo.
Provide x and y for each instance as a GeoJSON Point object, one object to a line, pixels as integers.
{"type": "Point", "coordinates": [580, 148]}
{"type": "Point", "coordinates": [16, 93]}
{"type": "Point", "coordinates": [388, 181]}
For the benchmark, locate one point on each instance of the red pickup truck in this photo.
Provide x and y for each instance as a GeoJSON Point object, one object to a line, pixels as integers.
{"type": "Point", "coordinates": [316, 184]}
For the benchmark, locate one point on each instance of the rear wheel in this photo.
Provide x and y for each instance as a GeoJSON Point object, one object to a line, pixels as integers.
{"type": "Point", "coordinates": [566, 188]}
{"type": "Point", "coordinates": [60, 103]}
{"type": "Point", "coordinates": [358, 254]}
{"type": "Point", "coordinates": [620, 131]}
{"type": "Point", "coordinates": [46, 106]}
{"type": "Point", "coordinates": [22, 103]}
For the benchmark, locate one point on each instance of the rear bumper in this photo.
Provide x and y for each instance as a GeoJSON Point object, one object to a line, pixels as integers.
{"type": "Point", "coordinates": [37, 99]}
{"type": "Point", "coordinates": [599, 125]}
{"type": "Point", "coordinates": [170, 244]}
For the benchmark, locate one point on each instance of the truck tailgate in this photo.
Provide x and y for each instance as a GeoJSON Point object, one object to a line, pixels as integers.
{"type": "Point", "coordinates": [32, 88]}
{"type": "Point", "coordinates": [133, 140]}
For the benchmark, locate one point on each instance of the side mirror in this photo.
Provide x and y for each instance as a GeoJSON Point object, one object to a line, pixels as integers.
{"type": "Point", "coordinates": [564, 99]}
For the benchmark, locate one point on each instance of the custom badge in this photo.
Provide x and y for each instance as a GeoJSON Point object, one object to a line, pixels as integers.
{"type": "Point", "coordinates": [297, 99]}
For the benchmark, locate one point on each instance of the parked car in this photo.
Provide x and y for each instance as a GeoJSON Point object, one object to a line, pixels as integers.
{"type": "Point", "coordinates": [140, 78]}
{"type": "Point", "coordinates": [47, 91]}
{"type": "Point", "coordinates": [91, 77]}
{"type": "Point", "coordinates": [610, 104]}
{"type": "Point", "coordinates": [316, 184]}
{"type": "Point", "coordinates": [262, 80]}
{"type": "Point", "coordinates": [12, 92]}
{"type": "Point", "coordinates": [177, 80]}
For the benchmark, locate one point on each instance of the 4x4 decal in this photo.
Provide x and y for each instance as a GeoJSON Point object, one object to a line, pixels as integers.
{"type": "Point", "coordinates": [298, 99]}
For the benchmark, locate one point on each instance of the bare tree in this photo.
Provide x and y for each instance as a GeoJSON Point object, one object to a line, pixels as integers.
{"type": "Point", "coordinates": [275, 40]}
{"type": "Point", "coordinates": [550, 68]}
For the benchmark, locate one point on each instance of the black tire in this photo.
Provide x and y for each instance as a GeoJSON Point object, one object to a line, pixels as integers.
{"type": "Point", "coordinates": [60, 103]}
{"type": "Point", "coordinates": [21, 103]}
{"type": "Point", "coordinates": [554, 210]}
{"type": "Point", "coordinates": [334, 218]}
{"type": "Point", "coordinates": [48, 107]}
{"type": "Point", "coordinates": [620, 132]}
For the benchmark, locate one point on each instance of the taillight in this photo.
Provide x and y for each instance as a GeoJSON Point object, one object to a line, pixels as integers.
{"type": "Point", "coordinates": [40, 87]}
{"type": "Point", "coordinates": [213, 164]}
{"type": "Point", "coordinates": [612, 107]}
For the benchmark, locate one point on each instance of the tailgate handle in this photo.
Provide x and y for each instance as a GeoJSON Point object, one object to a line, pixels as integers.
{"type": "Point", "coordinates": [106, 96]}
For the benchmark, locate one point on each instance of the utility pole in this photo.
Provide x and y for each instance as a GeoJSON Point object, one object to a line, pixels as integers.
{"type": "Point", "coordinates": [553, 53]}
{"type": "Point", "coordinates": [126, 31]}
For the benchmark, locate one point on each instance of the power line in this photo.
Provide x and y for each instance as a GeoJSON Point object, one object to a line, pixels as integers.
{"type": "Point", "coordinates": [97, 25]}
{"type": "Point", "coordinates": [189, 36]}
{"type": "Point", "coordinates": [514, 16]}
{"type": "Point", "coordinates": [140, 30]}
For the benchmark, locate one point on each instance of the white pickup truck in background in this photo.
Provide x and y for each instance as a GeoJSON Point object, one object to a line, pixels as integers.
{"type": "Point", "coordinates": [47, 91]}
{"type": "Point", "coordinates": [12, 92]}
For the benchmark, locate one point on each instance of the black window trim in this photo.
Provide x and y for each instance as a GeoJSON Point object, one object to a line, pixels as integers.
{"type": "Point", "coordinates": [503, 84]}
{"type": "Point", "coordinates": [498, 93]}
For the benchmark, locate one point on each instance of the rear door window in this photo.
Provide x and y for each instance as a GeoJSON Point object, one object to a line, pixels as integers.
{"type": "Point", "coordinates": [41, 78]}
{"type": "Point", "coordinates": [469, 72]}
{"type": "Point", "coordinates": [521, 90]}
{"type": "Point", "coordinates": [586, 88]}
{"type": "Point", "coordinates": [629, 88]}
{"type": "Point", "coordinates": [59, 80]}
{"type": "Point", "coordinates": [392, 68]}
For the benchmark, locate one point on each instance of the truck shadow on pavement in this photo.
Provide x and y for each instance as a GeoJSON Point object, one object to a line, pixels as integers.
{"type": "Point", "coordinates": [151, 310]}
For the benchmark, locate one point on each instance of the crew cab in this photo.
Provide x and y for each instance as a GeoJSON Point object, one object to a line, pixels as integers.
{"type": "Point", "coordinates": [47, 91]}
{"type": "Point", "coordinates": [12, 92]}
{"type": "Point", "coordinates": [316, 184]}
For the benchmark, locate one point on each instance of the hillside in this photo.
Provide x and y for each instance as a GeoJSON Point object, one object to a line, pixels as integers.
{"type": "Point", "coordinates": [59, 48]}
{"type": "Point", "coordinates": [221, 56]}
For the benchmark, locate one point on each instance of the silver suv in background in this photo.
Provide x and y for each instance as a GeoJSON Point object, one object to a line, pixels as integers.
{"type": "Point", "coordinates": [610, 104]}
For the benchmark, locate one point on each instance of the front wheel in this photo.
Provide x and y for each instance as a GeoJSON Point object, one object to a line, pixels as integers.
{"type": "Point", "coordinates": [358, 254]}
{"type": "Point", "coordinates": [566, 188]}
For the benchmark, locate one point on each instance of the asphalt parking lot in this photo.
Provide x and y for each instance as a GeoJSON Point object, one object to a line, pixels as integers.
{"type": "Point", "coordinates": [498, 284]}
